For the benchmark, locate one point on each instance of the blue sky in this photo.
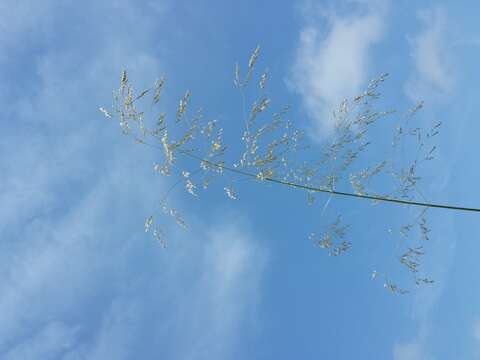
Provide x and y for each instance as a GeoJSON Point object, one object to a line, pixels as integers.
{"type": "Point", "coordinates": [81, 279]}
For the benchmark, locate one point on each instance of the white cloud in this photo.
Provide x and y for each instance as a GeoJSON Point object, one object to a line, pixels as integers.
{"type": "Point", "coordinates": [441, 252]}
{"type": "Point", "coordinates": [48, 147]}
{"type": "Point", "coordinates": [434, 74]}
{"type": "Point", "coordinates": [475, 334]}
{"type": "Point", "coordinates": [21, 21]}
{"type": "Point", "coordinates": [79, 278]}
{"type": "Point", "coordinates": [51, 341]}
{"type": "Point", "coordinates": [227, 292]}
{"type": "Point", "coordinates": [192, 300]}
{"type": "Point", "coordinates": [476, 330]}
{"type": "Point", "coordinates": [409, 351]}
{"type": "Point", "coordinates": [432, 78]}
{"type": "Point", "coordinates": [331, 66]}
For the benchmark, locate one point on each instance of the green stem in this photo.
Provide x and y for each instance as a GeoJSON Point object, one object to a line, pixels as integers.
{"type": "Point", "coordinates": [334, 192]}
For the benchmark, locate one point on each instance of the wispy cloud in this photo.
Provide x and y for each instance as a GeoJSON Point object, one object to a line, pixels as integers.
{"type": "Point", "coordinates": [51, 341]}
{"type": "Point", "coordinates": [441, 252]}
{"type": "Point", "coordinates": [232, 270]}
{"type": "Point", "coordinates": [432, 78]}
{"type": "Point", "coordinates": [410, 351]}
{"type": "Point", "coordinates": [204, 297]}
{"type": "Point", "coordinates": [433, 74]}
{"type": "Point", "coordinates": [78, 279]}
{"type": "Point", "coordinates": [332, 61]}
{"type": "Point", "coordinates": [113, 291]}
{"type": "Point", "coordinates": [476, 330]}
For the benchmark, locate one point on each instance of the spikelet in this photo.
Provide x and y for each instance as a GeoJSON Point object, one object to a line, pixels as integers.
{"type": "Point", "coordinates": [230, 193]}
{"type": "Point", "coordinates": [105, 112]}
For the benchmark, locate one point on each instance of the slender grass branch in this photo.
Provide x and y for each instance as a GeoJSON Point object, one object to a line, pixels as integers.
{"type": "Point", "coordinates": [323, 190]}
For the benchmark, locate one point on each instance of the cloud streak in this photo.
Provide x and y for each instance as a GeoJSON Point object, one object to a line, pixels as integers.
{"type": "Point", "coordinates": [79, 278]}
{"type": "Point", "coordinates": [333, 64]}
{"type": "Point", "coordinates": [433, 75]}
